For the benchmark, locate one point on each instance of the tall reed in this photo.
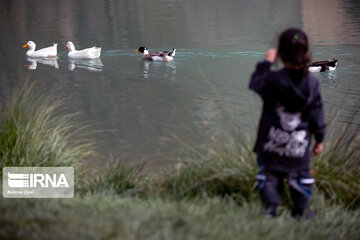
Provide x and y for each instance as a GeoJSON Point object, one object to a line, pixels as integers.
{"type": "Point", "coordinates": [337, 170]}
{"type": "Point", "coordinates": [228, 170]}
{"type": "Point", "coordinates": [33, 132]}
{"type": "Point", "coordinates": [115, 178]}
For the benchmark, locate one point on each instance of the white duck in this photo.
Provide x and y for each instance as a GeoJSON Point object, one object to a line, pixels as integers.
{"type": "Point", "coordinates": [87, 53]}
{"type": "Point", "coordinates": [42, 53]}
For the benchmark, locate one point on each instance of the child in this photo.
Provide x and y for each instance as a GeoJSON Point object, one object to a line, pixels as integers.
{"type": "Point", "coordinates": [291, 113]}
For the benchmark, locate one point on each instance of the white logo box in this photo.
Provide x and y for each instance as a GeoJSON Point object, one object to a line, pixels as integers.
{"type": "Point", "coordinates": [38, 182]}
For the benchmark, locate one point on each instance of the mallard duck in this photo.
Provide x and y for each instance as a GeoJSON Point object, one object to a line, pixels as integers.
{"type": "Point", "coordinates": [323, 66]}
{"type": "Point", "coordinates": [41, 53]}
{"type": "Point", "coordinates": [165, 56]}
{"type": "Point", "coordinates": [87, 53]}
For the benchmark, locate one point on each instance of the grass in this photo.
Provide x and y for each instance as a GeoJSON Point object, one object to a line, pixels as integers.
{"type": "Point", "coordinates": [337, 170]}
{"type": "Point", "coordinates": [228, 171]}
{"type": "Point", "coordinates": [206, 196]}
{"type": "Point", "coordinates": [113, 217]}
{"type": "Point", "coordinates": [32, 133]}
{"type": "Point", "coordinates": [115, 178]}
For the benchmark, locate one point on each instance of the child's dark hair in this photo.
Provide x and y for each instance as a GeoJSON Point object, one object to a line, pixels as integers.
{"type": "Point", "coordinates": [294, 48]}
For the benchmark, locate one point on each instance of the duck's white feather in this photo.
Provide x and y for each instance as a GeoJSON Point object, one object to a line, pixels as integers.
{"type": "Point", "coordinates": [314, 69]}
{"type": "Point", "coordinates": [157, 58]}
{"type": "Point", "coordinates": [52, 49]}
{"type": "Point", "coordinates": [87, 53]}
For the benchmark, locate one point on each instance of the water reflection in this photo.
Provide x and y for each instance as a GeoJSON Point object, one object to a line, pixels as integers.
{"type": "Point", "coordinates": [146, 65]}
{"type": "Point", "coordinates": [94, 65]}
{"type": "Point", "coordinates": [337, 23]}
{"type": "Point", "coordinates": [46, 61]}
{"type": "Point", "coordinates": [159, 69]}
{"type": "Point", "coordinates": [332, 79]}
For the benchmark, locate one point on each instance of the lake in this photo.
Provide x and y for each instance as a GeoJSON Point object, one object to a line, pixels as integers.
{"type": "Point", "coordinates": [158, 111]}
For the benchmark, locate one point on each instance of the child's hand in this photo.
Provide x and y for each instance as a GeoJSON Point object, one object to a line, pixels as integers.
{"type": "Point", "coordinates": [271, 55]}
{"type": "Point", "coordinates": [318, 148]}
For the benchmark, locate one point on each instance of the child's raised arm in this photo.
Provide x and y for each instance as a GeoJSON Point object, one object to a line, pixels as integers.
{"type": "Point", "coordinates": [260, 80]}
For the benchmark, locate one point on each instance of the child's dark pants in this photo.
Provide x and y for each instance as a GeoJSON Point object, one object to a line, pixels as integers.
{"type": "Point", "coordinates": [271, 185]}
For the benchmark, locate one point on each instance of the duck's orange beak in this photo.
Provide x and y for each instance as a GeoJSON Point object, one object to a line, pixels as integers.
{"type": "Point", "coordinates": [65, 47]}
{"type": "Point", "coordinates": [26, 45]}
{"type": "Point", "coordinates": [137, 51]}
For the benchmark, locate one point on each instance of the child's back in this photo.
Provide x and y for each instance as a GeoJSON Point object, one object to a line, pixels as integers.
{"type": "Point", "coordinates": [292, 112]}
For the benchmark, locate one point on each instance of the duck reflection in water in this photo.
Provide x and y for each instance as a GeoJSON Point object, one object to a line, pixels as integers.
{"type": "Point", "coordinates": [159, 69]}
{"type": "Point", "coordinates": [94, 65]}
{"type": "Point", "coordinates": [332, 79]}
{"type": "Point", "coordinates": [46, 61]}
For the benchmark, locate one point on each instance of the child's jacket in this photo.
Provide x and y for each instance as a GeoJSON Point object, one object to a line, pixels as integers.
{"type": "Point", "coordinates": [291, 113]}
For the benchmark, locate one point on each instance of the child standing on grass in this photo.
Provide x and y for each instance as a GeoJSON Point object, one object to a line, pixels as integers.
{"type": "Point", "coordinates": [292, 112]}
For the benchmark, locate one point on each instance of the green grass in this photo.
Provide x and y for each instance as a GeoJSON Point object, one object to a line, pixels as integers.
{"type": "Point", "coordinates": [337, 170]}
{"type": "Point", "coordinates": [115, 178]}
{"type": "Point", "coordinates": [116, 217]}
{"type": "Point", "coordinates": [228, 171]}
{"type": "Point", "coordinates": [33, 133]}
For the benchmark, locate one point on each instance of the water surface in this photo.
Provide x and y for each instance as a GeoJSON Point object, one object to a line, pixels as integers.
{"type": "Point", "coordinates": [157, 111]}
